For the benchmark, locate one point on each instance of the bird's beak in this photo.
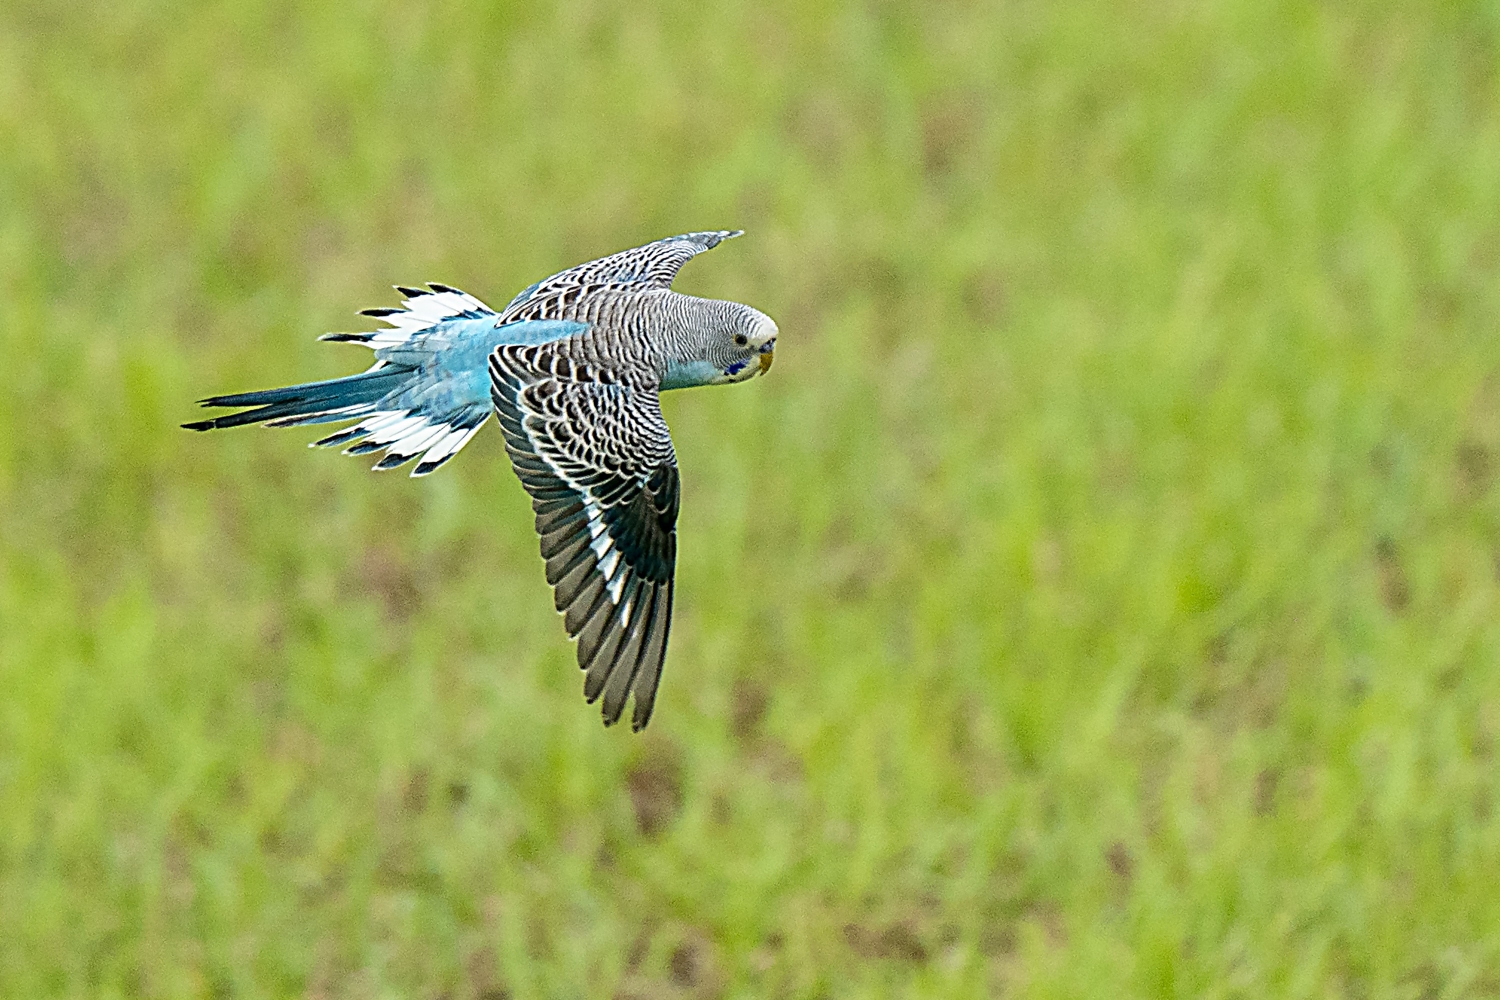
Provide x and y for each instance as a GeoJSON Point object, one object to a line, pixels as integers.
{"type": "Point", "coordinates": [767, 353]}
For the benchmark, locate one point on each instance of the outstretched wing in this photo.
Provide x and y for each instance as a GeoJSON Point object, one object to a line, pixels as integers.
{"type": "Point", "coordinates": [654, 265]}
{"type": "Point", "coordinates": [592, 449]}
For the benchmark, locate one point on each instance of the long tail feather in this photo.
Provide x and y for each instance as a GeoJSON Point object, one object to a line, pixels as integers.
{"type": "Point", "coordinates": [307, 402]}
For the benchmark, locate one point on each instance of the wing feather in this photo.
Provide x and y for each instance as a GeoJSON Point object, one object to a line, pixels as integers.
{"type": "Point", "coordinates": [602, 663]}
{"type": "Point", "coordinates": [654, 265]}
{"type": "Point", "coordinates": [651, 658]}
{"type": "Point", "coordinates": [617, 688]}
{"type": "Point", "coordinates": [592, 449]}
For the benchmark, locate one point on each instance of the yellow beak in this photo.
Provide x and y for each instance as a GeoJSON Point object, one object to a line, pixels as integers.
{"type": "Point", "coordinates": [765, 361]}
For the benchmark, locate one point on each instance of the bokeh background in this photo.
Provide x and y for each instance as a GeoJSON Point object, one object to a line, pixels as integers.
{"type": "Point", "coordinates": [1099, 597]}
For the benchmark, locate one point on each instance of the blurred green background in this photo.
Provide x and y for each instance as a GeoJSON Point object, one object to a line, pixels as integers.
{"type": "Point", "coordinates": [1099, 597]}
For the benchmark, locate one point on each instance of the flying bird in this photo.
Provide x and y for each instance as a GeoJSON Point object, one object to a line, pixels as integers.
{"type": "Point", "coordinates": [572, 369]}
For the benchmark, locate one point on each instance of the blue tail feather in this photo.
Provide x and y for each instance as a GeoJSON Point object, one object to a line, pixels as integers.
{"type": "Point", "coordinates": [331, 417]}
{"type": "Point", "coordinates": [311, 399]}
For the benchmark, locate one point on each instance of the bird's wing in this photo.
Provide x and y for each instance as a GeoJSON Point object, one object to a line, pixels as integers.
{"type": "Point", "coordinates": [654, 265]}
{"type": "Point", "coordinates": [592, 449]}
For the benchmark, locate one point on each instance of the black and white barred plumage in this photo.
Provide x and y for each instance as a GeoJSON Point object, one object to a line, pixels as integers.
{"type": "Point", "coordinates": [591, 447]}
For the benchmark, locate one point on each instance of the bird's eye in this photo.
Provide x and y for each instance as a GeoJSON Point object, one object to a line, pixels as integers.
{"type": "Point", "coordinates": [741, 339]}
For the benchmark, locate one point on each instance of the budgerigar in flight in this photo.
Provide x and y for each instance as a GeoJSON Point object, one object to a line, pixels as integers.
{"type": "Point", "coordinates": [572, 368]}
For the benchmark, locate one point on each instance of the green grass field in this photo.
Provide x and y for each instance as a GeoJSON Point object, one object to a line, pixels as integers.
{"type": "Point", "coordinates": [1100, 597]}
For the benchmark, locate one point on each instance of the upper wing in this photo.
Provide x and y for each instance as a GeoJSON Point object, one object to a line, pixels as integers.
{"type": "Point", "coordinates": [592, 449]}
{"type": "Point", "coordinates": [654, 265]}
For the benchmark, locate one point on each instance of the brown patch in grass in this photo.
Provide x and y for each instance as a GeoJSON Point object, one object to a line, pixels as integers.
{"type": "Point", "coordinates": [950, 126]}
{"type": "Point", "coordinates": [1267, 782]}
{"type": "Point", "coordinates": [898, 941]}
{"type": "Point", "coordinates": [1049, 918]}
{"type": "Point", "coordinates": [482, 967]}
{"type": "Point", "coordinates": [985, 296]}
{"type": "Point", "coordinates": [1232, 692]}
{"type": "Point", "coordinates": [747, 706]}
{"type": "Point", "coordinates": [721, 809]}
{"type": "Point", "coordinates": [778, 762]}
{"type": "Point", "coordinates": [388, 575]}
{"type": "Point", "coordinates": [1120, 861]}
{"type": "Point", "coordinates": [693, 967]}
{"type": "Point", "coordinates": [763, 959]}
{"type": "Point", "coordinates": [655, 787]}
{"type": "Point", "coordinates": [1395, 591]}
{"type": "Point", "coordinates": [414, 796]}
{"type": "Point", "coordinates": [996, 938]}
{"type": "Point", "coordinates": [850, 569]}
{"type": "Point", "coordinates": [638, 950]}
{"type": "Point", "coordinates": [1476, 469]}
{"type": "Point", "coordinates": [688, 963]}
{"type": "Point", "coordinates": [1216, 650]}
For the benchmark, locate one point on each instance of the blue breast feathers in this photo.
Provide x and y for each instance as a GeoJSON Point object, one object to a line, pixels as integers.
{"type": "Point", "coordinates": [689, 375]}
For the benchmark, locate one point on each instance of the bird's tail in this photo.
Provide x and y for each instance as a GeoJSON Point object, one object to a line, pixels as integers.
{"type": "Point", "coordinates": [310, 403]}
{"type": "Point", "coordinates": [427, 394]}
{"type": "Point", "coordinates": [388, 403]}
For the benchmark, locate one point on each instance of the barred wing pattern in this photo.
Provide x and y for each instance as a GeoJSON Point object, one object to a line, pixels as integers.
{"type": "Point", "coordinates": [654, 265]}
{"type": "Point", "coordinates": [592, 449]}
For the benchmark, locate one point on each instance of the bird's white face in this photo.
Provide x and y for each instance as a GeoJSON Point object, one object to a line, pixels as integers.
{"type": "Point", "coordinates": [754, 347]}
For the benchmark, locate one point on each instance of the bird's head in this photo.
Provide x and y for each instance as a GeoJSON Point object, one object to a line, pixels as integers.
{"type": "Point", "coordinates": [731, 343]}
{"type": "Point", "coordinates": [750, 347]}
